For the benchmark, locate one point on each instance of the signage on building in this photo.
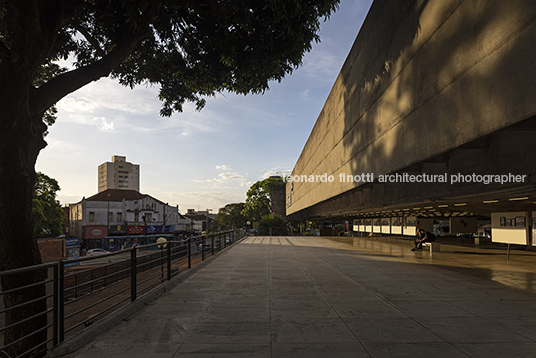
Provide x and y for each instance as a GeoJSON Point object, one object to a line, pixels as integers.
{"type": "Point", "coordinates": [136, 229]}
{"type": "Point", "coordinates": [153, 229]}
{"type": "Point", "coordinates": [169, 228]}
{"type": "Point", "coordinates": [118, 229]}
{"type": "Point", "coordinates": [72, 241]}
{"type": "Point", "coordinates": [95, 232]}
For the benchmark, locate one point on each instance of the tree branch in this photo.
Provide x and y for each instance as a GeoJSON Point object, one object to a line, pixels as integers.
{"type": "Point", "coordinates": [88, 37]}
{"type": "Point", "coordinates": [51, 92]}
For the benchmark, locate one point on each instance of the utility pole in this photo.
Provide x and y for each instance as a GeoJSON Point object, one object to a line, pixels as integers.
{"type": "Point", "coordinates": [108, 217]}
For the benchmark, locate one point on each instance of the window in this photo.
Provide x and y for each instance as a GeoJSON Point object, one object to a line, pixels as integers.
{"type": "Point", "coordinates": [136, 217]}
{"type": "Point", "coordinates": [148, 217]}
{"type": "Point", "coordinates": [119, 217]}
{"type": "Point", "coordinates": [110, 216]}
{"type": "Point", "coordinates": [91, 217]}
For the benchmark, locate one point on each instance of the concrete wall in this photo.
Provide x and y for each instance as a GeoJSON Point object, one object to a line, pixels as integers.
{"type": "Point", "coordinates": [422, 78]}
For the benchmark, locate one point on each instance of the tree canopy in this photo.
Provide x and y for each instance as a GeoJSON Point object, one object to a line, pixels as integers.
{"type": "Point", "coordinates": [231, 216]}
{"type": "Point", "coordinates": [188, 49]}
{"type": "Point", "coordinates": [47, 213]}
{"type": "Point", "coordinates": [258, 198]}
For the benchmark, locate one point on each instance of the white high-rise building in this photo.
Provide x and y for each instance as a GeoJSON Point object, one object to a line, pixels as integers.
{"type": "Point", "coordinates": [119, 174]}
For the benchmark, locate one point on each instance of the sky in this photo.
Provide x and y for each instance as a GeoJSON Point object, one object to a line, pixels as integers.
{"type": "Point", "coordinates": [197, 159]}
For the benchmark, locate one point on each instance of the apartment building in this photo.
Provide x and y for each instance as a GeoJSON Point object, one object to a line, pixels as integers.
{"type": "Point", "coordinates": [119, 174]}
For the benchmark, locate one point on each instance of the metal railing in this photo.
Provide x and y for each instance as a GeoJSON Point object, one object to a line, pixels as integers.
{"type": "Point", "coordinates": [74, 297]}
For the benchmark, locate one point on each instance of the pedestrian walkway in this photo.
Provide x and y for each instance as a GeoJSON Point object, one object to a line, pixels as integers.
{"type": "Point", "coordinates": [338, 297]}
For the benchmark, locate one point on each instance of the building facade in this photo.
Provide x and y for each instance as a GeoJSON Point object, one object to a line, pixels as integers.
{"type": "Point", "coordinates": [119, 174]}
{"type": "Point", "coordinates": [430, 116]}
{"type": "Point", "coordinates": [123, 212]}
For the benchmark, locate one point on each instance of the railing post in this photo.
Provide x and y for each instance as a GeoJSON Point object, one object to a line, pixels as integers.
{"type": "Point", "coordinates": [169, 261]}
{"type": "Point", "coordinates": [190, 253]}
{"type": "Point", "coordinates": [161, 264]}
{"type": "Point", "coordinates": [212, 241]}
{"type": "Point", "coordinates": [55, 311]}
{"type": "Point", "coordinates": [203, 238]}
{"type": "Point", "coordinates": [61, 298]}
{"type": "Point", "coordinates": [133, 274]}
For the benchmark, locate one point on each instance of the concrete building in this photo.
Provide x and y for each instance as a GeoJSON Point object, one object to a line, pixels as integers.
{"type": "Point", "coordinates": [123, 212]}
{"type": "Point", "coordinates": [200, 220]}
{"type": "Point", "coordinates": [433, 115]}
{"type": "Point", "coordinates": [119, 174]}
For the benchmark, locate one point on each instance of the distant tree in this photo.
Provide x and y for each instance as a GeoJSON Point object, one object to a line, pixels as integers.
{"type": "Point", "coordinates": [231, 216]}
{"type": "Point", "coordinates": [273, 225]}
{"type": "Point", "coordinates": [258, 199]}
{"type": "Point", "coordinates": [47, 213]}
{"type": "Point", "coordinates": [191, 49]}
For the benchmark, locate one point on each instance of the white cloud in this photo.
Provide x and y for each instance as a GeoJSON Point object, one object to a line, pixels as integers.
{"type": "Point", "coordinates": [211, 199]}
{"type": "Point", "coordinates": [105, 126]}
{"type": "Point", "coordinates": [74, 104]}
{"type": "Point", "coordinates": [224, 178]}
{"type": "Point", "coordinates": [305, 94]}
{"type": "Point", "coordinates": [281, 171]}
{"type": "Point", "coordinates": [223, 167]}
{"type": "Point", "coordinates": [322, 65]}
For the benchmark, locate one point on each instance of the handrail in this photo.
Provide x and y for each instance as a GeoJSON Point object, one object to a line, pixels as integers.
{"type": "Point", "coordinates": [126, 279]}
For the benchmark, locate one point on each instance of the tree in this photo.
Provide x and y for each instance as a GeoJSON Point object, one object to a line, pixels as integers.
{"type": "Point", "coordinates": [47, 213]}
{"type": "Point", "coordinates": [231, 216]}
{"type": "Point", "coordinates": [258, 199]}
{"type": "Point", "coordinates": [191, 49]}
{"type": "Point", "coordinates": [273, 225]}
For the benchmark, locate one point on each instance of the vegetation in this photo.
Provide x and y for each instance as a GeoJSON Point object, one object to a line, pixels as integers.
{"type": "Point", "coordinates": [258, 200]}
{"type": "Point", "coordinates": [230, 216]}
{"type": "Point", "coordinates": [273, 225]}
{"type": "Point", "coordinates": [47, 213]}
{"type": "Point", "coordinates": [190, 49]}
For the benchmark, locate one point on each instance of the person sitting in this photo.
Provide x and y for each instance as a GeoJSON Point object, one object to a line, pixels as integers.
{"type": "Point", "coordinates": [422, 237]}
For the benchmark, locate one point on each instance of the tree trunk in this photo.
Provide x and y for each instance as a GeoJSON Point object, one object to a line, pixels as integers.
{"type": "Point", "coordinates": [20, 143]}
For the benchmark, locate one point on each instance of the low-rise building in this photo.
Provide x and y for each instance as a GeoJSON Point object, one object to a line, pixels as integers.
{"type": "Point", "coordinates": [123, 212]}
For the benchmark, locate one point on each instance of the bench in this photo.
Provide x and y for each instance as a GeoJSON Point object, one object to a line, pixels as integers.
{"type": "Point", "coordinates": [434, 246]}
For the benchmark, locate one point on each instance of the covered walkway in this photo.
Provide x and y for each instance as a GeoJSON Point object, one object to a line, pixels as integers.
{"type": "Point", "coordinates": [339, 297]}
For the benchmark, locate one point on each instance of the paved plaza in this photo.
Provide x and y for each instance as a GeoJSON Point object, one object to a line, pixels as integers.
{"type": "Point", "coordinates": [338, 297]}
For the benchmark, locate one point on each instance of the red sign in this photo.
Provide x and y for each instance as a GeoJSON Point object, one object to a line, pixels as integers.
{"type": "Point", "coordinates": [136, 229]}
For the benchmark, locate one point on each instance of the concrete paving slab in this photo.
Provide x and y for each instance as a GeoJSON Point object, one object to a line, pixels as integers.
{"type": "Point", "coordinates": [310, 329]}
{"type": "Point", "coordinates": [469, 329]}
{"type": "Point", "coordinates": [414, 350]}
{"type": "Point", "coordinates": [337, 297]}
{"type": "Point", "coordinates": [390, 329]}
{"type": "Point", "coordinates": [208, 350]}
{"type": "Point", "coordinates": [288, 309]}
{"type": "Point", "coordinates": [230, 329]}
{"type": "Point", "coordinates": [368, 308]}
{"type": "Point", "coordinates": [503, 350]}
{"type": "Point", "coordinates": [318, 350]}
{"type": "Point", "coordinates": [435, 308]}
{"type": "Point", "coordinates": [496, 308]}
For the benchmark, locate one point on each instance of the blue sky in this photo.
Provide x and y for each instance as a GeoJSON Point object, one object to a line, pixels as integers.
{"type": "Point", "coordinates": [197, 160]}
